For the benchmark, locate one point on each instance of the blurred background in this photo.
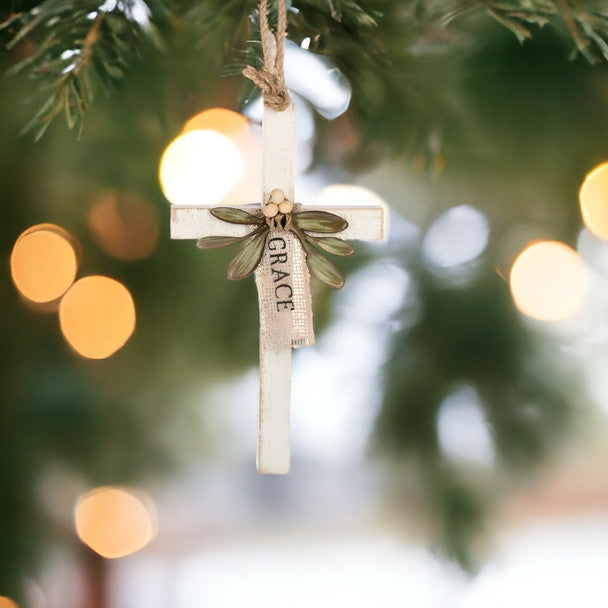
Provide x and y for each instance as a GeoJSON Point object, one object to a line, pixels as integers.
{"type": "Point", "coordinates": [449, 427]}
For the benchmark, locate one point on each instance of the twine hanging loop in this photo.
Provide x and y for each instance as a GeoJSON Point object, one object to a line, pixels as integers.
{"type": "Point", "coordinates": [271, 78]}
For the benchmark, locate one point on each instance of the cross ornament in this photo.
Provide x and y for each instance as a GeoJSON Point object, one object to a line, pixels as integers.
{"type": "Point", "coordinates": [281, 275]}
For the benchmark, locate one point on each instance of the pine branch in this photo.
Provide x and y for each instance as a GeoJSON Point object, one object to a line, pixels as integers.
{"type": "Point", "coordinates": [585, 21]}
{"type": "Point", "coordinates": [380, 45]}
{"type": "Point", "coordinates": [74, 44]}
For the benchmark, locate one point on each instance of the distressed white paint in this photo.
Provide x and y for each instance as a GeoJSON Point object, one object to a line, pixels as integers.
{"type": "Point", "coordinates": [194, 222]}
{"type": "Point", "coordinates": [278, 171]}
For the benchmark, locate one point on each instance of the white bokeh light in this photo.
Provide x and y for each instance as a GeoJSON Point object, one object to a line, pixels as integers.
{"type": "Point", "coordinates": [593, 250]}
{"type": "Point", "coordinates": [456, 237]}
{"type": "Point", "coordinates": [333, 413]}
{"type": "Point", "coordinates": [462, 428]}
{"type": "Point", "coordinates": [316, 79]}
{"type": "Point", "coordinates": [199, 168]}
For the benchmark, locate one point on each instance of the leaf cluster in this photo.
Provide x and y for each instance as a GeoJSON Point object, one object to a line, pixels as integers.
{"type": "Point", "coordinates": [302, 224]}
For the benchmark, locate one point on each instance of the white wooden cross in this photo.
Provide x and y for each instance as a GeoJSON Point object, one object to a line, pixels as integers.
{"type": "Point", "coordinates": [195, 222]}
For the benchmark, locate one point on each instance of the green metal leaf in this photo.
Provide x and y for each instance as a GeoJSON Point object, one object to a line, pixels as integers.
{"type": "Point", "coordinates": [215, 242]}
{"type": "Point", "coordinates": [332, 244]}
{"type": "Point", "coordinates": [319, 221]}
{"type": "Point", "coordinates": [235, 216]}
{"type": "Point", "coordinates": [323, 269]}
{"type": "Point", "coordinates": [247, 259]}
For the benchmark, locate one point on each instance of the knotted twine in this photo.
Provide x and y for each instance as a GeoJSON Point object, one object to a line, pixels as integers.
{"type": "Point", "coordinates": [283, 285]}
{"type": "Point", "coordinates": [271, 79]}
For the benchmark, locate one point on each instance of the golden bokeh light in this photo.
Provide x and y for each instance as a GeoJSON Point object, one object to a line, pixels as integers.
{"type": "Point", "coordinates": [593, 198]}
{"type": "Point", "coordinates": [114, 522]}
{"type": "Point", "coordinates": [348, 194]}
{"type": "Point", "coordinates": [44, 262]}
{"type": "Point", "coordinates": [237, 129]}
{"type": "Point", "coordinates": [222, 120]}
{"type": "Point", "coordinates": [7, 602]}
{"type": "Point", "coordinates": [125, 225]}
{"type": "Point", "coordinates": [97, 316]}
{"type": "Point", "coordinates": [200, 168]}
{"type": "Point", "coordinates": [548, 281]}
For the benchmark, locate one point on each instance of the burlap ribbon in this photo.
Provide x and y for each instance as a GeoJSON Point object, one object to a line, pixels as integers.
{"type": "Point", "coordinates": [284, 298]}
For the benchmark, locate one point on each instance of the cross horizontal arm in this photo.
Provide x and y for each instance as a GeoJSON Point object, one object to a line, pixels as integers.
{"type": "Point", "coordinates": [194, 222]}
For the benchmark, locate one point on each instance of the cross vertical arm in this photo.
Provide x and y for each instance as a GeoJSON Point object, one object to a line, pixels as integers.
{"type": "Point", "coordinates": [278, 171]}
